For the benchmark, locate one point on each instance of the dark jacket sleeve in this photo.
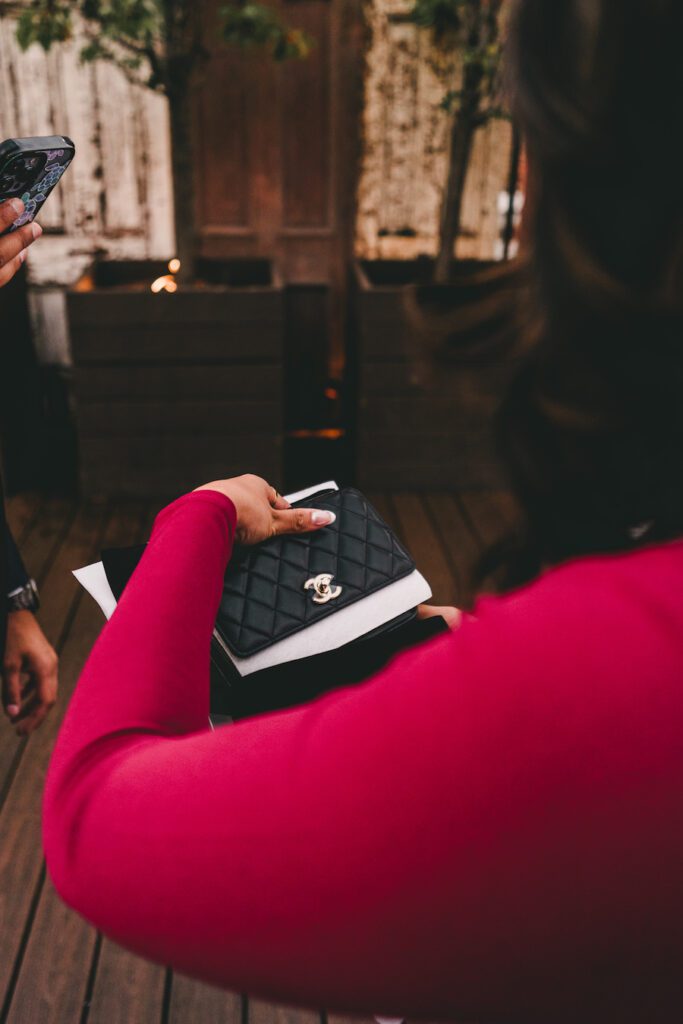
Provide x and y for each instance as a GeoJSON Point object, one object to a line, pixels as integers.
{"type": "Point", "coordinates": [16, 574]}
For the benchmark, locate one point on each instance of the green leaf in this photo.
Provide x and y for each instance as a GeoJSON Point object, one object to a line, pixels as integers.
{"type": "Point", "coordinates": [443, 17]}
{"type": "Point", "coordinates": [44, 22]}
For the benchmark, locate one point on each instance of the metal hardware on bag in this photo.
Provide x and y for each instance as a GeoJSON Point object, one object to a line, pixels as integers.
{"type": "Point", "coordinates": [323, 591]}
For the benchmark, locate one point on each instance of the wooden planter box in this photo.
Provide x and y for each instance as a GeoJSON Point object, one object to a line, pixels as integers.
{"type": "Point", "coordinates": [425, 406]}
{"type": "Point", "coordinates": [174, 390]}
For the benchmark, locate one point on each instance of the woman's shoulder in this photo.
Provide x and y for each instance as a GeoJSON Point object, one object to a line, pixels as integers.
{"type": "Point", "coordinates": [600, 611]}
{"type": "Point", "coordinates": [633, 576]}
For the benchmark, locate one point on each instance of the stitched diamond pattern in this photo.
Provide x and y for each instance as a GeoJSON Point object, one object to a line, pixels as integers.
{"type": "Point", "coordinates": [263, 595]}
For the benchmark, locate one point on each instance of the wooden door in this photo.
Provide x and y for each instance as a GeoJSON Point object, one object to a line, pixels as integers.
{"type": "Point", "coordinates": [276, 145]}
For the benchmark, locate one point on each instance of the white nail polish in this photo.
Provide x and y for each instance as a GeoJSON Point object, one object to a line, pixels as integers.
{"type": "Point", "coordinates": [322, 518]}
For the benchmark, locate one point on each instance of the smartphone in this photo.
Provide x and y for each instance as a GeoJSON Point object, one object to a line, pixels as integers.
{"type": "Point", "coordinates": [30, 169]}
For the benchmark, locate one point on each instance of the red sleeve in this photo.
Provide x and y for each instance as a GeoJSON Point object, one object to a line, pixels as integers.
{"type": "Point", "coordinates": [448, 840]}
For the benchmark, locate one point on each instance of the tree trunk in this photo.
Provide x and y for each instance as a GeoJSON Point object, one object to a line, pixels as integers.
{"type": "Point", "coordinates": [182, 164]}
{"type": "Point", "coordinates": [462, 137]}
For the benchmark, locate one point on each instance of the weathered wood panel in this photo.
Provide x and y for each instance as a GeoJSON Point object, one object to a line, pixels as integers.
{"type": "Point", "coordinates": [405, 134]}
{"type": "Point", "coordinates": [116, 197]}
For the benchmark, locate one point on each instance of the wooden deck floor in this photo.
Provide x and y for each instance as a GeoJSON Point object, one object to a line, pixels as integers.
{"type": "Point", "coordinates": [54, 968]}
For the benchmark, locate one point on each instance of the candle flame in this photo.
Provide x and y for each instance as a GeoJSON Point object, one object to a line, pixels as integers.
{"type": "Point", "coordinates": [174, 266]}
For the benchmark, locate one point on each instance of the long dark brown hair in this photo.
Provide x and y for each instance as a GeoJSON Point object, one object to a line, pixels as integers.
{"type": "Point", "coordinates": [591, 431]}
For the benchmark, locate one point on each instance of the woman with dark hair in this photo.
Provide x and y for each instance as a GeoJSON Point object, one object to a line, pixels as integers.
{"type": "Point", "coordinates": [491, 828]}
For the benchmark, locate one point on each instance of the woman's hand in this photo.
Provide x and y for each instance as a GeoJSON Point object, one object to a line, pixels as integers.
{"type": "Point", "coordinates": [13, 246]}
{"type": "Point", "coordinates": [263, 513]}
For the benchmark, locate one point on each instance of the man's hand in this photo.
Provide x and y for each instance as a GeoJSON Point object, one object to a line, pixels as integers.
{"type": "Point", "coordinates": [13, 246]}
{"type": "Point", "coordinates": [29, 673]}
{"type": "Point", "coordinates": [451, 616]}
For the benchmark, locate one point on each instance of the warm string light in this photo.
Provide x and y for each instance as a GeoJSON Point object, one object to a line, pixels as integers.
{"type": "Point", "coordinates": [167, 282]}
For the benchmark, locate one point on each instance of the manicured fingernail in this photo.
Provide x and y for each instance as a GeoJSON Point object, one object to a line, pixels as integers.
{"type": "Point", "coordinates": [36, 229]}
{"type": "Point", "coordinates": [17, 205]}
{"type": "Point", "coordinates": [12, 710]}
{"type": "Point", "coordinates": [322, 518]}
{"type": "Point", "coordinates": [22, 255]}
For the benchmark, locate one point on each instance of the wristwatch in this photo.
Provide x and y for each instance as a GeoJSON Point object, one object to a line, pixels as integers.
{"type": "Point", "coordinates": [24, 599]}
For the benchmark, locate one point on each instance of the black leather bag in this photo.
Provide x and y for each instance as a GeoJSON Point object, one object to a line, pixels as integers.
{"type": "Point", "coordinates": [286, 584]}
{"type": "Point", "coordinates": [277, 589]}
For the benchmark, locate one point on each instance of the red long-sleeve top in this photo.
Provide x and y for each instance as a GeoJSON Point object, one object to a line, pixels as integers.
{"type": "Point", "coordinates": [490, 828]}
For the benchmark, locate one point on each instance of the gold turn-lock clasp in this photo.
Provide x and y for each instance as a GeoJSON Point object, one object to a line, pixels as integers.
{"type": "Point", "coordinates": [323, 591]}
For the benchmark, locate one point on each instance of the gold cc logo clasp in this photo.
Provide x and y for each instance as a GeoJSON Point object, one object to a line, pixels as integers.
{"type": "Point", "coordinates": [323, 591]}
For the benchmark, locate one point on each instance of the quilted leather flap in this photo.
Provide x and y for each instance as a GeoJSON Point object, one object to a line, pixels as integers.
{"type": "Point", "coordinates": [287, 583]}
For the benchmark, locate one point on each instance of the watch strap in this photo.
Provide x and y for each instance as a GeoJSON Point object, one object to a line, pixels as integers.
{"type": "Point", "coordinates": [24, 598]}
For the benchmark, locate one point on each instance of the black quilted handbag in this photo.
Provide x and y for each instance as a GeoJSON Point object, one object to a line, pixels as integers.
{"type": "Point", "coordinates": [289, 583]}
{"type": "Point", "coordinates": [275, 589]}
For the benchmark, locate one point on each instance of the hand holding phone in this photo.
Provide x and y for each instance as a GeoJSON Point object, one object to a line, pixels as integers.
{"type": "Point", "coordinates": [29, 170]}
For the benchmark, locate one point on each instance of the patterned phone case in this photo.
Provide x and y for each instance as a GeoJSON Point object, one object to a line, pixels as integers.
{"type": "Point", "coordinates": [30, 169]}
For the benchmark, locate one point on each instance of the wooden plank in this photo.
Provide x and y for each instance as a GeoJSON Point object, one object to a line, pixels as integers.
{"type": "Point", "coordinates": [382, 504]}
{"type": "Point", "coordinates": [401, 463]}
{"type": "Point", "coordinates": [426, 546]}
{"type": "Point", "coordinates": [490, 513]}
{"type": "Point", "coordinates": [410, 521]}
{"type": "Point", "coordinates": [55, 995]}
{"type": "Point", "coordinates": [336, 1018]}
{"type": "Point", "coordinates": [127, 990]}
{"type": "Point", "coordinates": [57, 992]}
{"type": "Point", "coordinates": [193, 1002]}
{"type": "Point", "coordinates": [126, 418]}
{"type": "Point", "coordinates": [213, 343]}
{"type": "Point", "coordinates": [21, 511]}
{"type": "Point", "coordinates": [268, 1013]}
{"type": "Point", "coordinates": [414, 370]}
{"type": "Point", "coordinates": [306, 149]}
{"type": "Point", "coordinates": [206, 383]}
{"type": "Point", "coordinates": [492, 516]}
{"type": "Point", "coordinates": [121, 202]}
{"type": "Point", "coordinates": [193, 307]}
{"type": "Point", "coordinates": [155, 188]}
{"type": "Point", "coordinates": [129, 343]}
{"type": "Point", "coordinates": [20, 849]}
{"type": "Point", "coordinates": [148, 466]}
{"type": "Point", "coordinates": [419, 415]}
{"type": "Point", "coordinates": [459, 540]}
{"type": "Point", "coordinates": [39, 545]}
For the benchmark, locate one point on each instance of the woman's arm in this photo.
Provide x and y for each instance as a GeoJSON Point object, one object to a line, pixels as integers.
{"type": "Point", "coordinates": [447, 840]}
